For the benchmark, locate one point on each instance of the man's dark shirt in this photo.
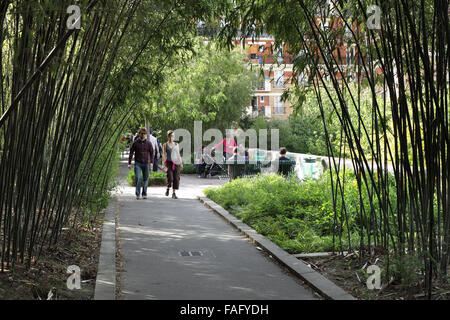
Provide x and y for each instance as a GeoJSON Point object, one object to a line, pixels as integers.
{"type": "Point", "coordinates": [284, 167]}
{"type": "Point", "coordinates": [143, 150]}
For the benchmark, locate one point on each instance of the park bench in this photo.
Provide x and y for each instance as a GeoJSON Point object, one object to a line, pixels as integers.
{"type": "Point", "coordinates": [240, 168]}
{"type": "Point", "coordinates": [251, 168]}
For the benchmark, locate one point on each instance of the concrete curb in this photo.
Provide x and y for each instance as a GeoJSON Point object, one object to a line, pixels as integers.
{"type": "Point", "coordinates": [105, 284]}
{"type": "Point", "coordinates": [315, 280]}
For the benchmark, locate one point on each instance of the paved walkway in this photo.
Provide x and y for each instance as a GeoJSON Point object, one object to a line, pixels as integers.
{"type": "Point", "coordinates": [179, 249]}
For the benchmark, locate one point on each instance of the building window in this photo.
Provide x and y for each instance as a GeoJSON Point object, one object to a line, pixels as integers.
{"type": "Point", "coordinates": [254, 103]}
{"type": "Point", "coordinates": [332, 8]}
{"type": "Point", "coordinates": [351, 55]}
{"type": "Point", "coordinates": [262, 84]}
{"type": "Point", "coordinates": [261, 48]}
{"type": "Point", "coordinates": [278, 79]}
{"type": "Point", "coordinates": [303, 78]}
{"type": "Point", "coordinates": [278, 106]}
{"type": "Point", "coordinates": [347, 33]}
{"type": "Point", "coordinates": [261, 99]}
{"type": "Point", "coordinates": [324, 24]}
{"type": "Point", "coordinates": [253, 56]}
{"type": "Point", "coordinates": [278, 54]}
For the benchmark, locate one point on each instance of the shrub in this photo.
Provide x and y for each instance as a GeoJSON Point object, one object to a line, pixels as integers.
{"type": "Point", "coordinates": [299, 217]}
{"type": "Point", "coordinates": [189, 168]}
{"type": "Point", "coordinates": [155, 178]}
{"type": "Point", "coordinates": [406, 269]}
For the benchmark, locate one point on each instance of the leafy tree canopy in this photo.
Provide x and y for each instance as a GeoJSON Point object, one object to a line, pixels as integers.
{"type": "Point", "coordinates": [206, 83]}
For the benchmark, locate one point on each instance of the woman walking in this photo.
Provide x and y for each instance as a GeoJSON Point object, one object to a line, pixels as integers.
{"type": "Point", "coordinates": [172, 164]}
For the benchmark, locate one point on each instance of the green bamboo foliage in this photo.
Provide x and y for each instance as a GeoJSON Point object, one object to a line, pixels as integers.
{"type": "Point", "coordinates": [400, 154]}
{"type": "Point", "coordinates": [47, 128]}
{"type": "Point", "coordinates": [405, 66]}
{"type": "Point", "coordinates": [64, 104]}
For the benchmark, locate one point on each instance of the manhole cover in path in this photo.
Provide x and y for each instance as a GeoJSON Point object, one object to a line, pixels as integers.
{"type": "Point", "coordinates": [200, 253]}
{"type": "Point", "coordinates": [190, 253]}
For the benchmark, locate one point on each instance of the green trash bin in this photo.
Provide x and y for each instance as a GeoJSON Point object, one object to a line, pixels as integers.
{"type": "Point", "coordinates": [261, 159]}
{"type": "Point", "coordinates": [260, 155]}
{"type": "Point", "coordinates": [309, 168]}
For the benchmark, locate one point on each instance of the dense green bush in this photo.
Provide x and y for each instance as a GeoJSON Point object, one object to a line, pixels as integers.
{"type": "Point", "coordinates": [299, 217]}
{"type": "Point", "coordinates": [280, 209]}
{"type": "Point", "coordinates": [189, 169]}
{"type": "Point", "coordinates": [155, 179]}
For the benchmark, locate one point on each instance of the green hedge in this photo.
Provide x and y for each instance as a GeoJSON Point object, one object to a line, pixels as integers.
{"type": "Point", "coordinates": [155, 178]}
{"type": "Point", "coordinates": [299, 217]}
{"type": "Point", "coordinates": [189, 169]}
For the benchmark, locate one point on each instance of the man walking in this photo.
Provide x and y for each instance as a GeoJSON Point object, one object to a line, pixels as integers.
{"type": "Point", "coordinates": [143, 161]}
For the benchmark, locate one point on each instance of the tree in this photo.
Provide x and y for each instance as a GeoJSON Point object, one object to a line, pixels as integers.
{"type": "Point", "coordinates": [64, 104]}
{"type": "Point", "coordinates": [207, 84]}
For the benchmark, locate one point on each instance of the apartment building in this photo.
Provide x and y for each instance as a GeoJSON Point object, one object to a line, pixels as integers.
{"type": "Point", "coordinates": [277, 72]}
{"type": "Point", "coordinates": [277, 65]}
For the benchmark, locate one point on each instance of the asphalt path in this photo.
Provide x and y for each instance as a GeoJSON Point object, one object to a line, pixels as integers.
{"type": "Point", "coordinates": [179, 249]}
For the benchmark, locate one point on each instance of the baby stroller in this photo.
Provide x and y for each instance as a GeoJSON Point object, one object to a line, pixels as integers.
{"type": "Point", "coordinates": [212, 168]}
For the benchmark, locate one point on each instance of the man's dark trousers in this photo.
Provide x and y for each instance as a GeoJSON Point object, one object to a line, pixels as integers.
{"type": "Point", "coordinates": [138, 167]}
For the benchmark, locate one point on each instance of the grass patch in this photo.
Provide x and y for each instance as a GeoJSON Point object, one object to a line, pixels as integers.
{"type": "Point", "coordinates": [155, 178]}
{"type": "Point", "coordinates": [189, 168]}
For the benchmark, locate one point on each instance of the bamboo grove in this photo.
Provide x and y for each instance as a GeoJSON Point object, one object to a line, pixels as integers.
{"type": "Point", "coordinates": [401, 72]}
{"type": "Point", "coordinates": [65, 97]}
{"type": "Point", "coordinates": [67, 94]}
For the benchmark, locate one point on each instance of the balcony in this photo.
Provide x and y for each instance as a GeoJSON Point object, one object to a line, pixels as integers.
{"type": "Point", "coordinates": [278, 80]}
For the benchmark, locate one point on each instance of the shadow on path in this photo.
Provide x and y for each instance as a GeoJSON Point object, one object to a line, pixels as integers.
{"type": "Point", "coordinates": [179, 249]}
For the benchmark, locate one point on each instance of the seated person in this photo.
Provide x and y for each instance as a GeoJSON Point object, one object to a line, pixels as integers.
{"type": "Point", "coordinates": [242, 152]}
{"type": "Point", "coordinates": [199, 162]}
{"type": "Point", "coordinates": [284, 165]}
{"type": "Point", "coordinates": [239, 154]}
{"type": "Point", "coordinates": [243, 155]}
{"type": "Point", "coordinates": [235, 168]}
